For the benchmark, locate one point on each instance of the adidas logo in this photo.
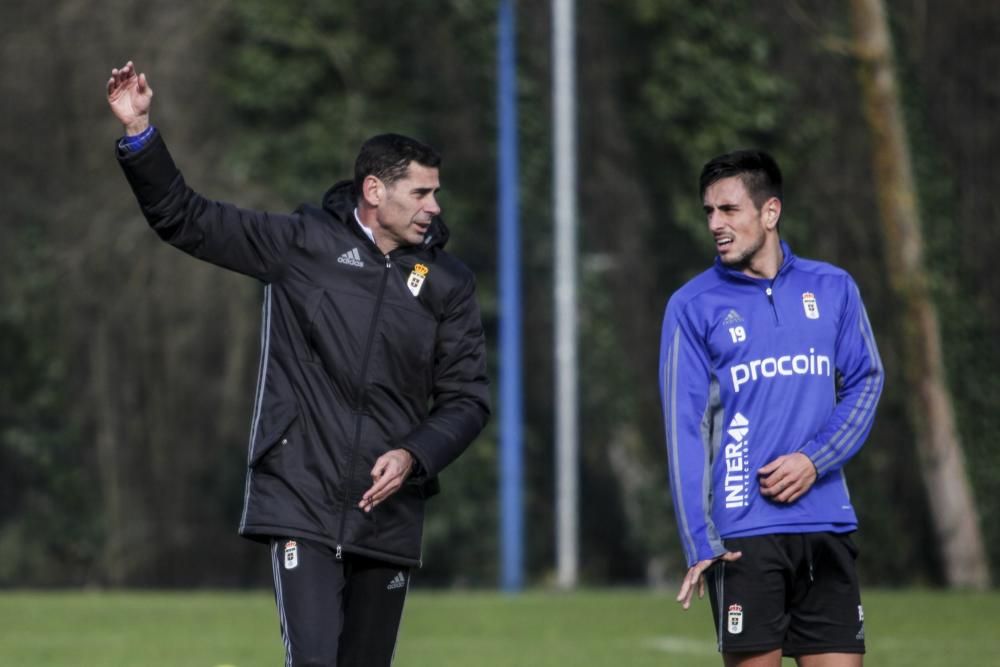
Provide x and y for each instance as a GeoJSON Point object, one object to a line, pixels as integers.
{"type": "Point", "coordinates": [732, 317]}
{"type": "Point", "coordinates": [399, 581]}
{"type": "Point", "coordinates": [351, 257]}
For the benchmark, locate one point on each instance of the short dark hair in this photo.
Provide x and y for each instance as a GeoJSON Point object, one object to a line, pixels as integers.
{"type": "Point", "coordinates": [388, 157]}
{"type": "Point", "coordinates": [758, 171]}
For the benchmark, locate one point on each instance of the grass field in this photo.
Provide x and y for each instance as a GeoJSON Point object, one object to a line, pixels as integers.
{"type": "Point", "coordinates": [468, 629]}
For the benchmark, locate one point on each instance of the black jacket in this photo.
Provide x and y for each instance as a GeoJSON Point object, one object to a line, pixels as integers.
{"type": "Point", "coordinates": [354, 362]}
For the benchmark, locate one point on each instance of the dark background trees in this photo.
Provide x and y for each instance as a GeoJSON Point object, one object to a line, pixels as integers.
{"type": "Point", "coordinates": [128, 368]}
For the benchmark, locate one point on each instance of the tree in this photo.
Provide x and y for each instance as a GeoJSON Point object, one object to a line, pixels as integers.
{"type": "Point", "coordinates": [942, 462]}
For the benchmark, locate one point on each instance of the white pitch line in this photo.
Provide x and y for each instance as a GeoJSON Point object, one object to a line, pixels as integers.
{"type": "Point", "coordinates": [683, 645]}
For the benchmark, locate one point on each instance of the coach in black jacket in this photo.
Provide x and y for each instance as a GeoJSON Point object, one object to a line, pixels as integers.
{"type": "Point", "coordinates": [372, 375]}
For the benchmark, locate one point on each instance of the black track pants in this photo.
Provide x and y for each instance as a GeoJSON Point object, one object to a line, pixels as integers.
{"type": "Point", "coordinates": [336, 613]}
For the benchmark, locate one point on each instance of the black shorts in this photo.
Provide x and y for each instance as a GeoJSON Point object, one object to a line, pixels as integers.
{"type": "Point", "coordinates": [344, 612]}
{"type": "Point", "coordinates": [796, 592]}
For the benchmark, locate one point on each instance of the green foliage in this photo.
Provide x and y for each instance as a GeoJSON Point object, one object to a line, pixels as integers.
{"type": "Point", "coordinates": [955, 251]}
{"type": "Point", "coordinates": [311, 80]}
{"type": "Point", "coordinates": [48, 532]}
{"type": "Point", "coordinates": [704, 86]}
{"type": "Point", "coordinates": [292, 78]}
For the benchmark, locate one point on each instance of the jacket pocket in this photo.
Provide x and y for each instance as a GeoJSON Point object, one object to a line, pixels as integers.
{"type": "Point", "coordinates": [272, 429]}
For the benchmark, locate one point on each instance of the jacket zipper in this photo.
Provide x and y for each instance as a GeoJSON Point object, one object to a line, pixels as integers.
{"type": "Point", "coordinates": [769, 291]}
{"type": "Point", "coordinates": [359, 407]}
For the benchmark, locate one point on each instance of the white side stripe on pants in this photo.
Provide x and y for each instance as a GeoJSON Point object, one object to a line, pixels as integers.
{"type": "Point", "coordinates": [280, 602]}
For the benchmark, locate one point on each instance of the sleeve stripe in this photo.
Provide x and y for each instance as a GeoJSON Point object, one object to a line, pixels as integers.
{"type": "Point", "coordinates": [854, 427]}
{"type": "Point", "coordinates": [670, 377]}
{"type": "Point", "coordinates": [670, 410]}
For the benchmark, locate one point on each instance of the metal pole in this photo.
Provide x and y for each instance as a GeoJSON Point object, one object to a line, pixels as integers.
{"type": "Point", "coordinates": [564, 133]}
{"type": "Point", "coordinates": [511, 418]}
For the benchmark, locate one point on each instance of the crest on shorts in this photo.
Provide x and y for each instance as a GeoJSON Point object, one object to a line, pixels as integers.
{"type": "Point", "coordinates": [735, 622]}
{"type": "Point", "coordinates": [291, 555]}
{"type": "Point", "coordinates": [416, 279]}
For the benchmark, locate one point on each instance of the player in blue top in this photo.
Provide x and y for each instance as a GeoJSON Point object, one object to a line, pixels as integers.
{"type": "Point", "coordinates": [769, 377]}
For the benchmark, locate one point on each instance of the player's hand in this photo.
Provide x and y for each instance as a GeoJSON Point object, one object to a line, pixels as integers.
{"type": "Point", "coordinates": [787, 478]}
{"type": "Point", "coordinates": [388, 474]}
{"type": "Point", "coordinates": [130, 97]}
{"type": "Point", "coordinates": [695, 578]}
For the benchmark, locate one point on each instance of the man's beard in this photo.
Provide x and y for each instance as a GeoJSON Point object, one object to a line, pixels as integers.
{"type": "Point", "coordinates": [745, 258]}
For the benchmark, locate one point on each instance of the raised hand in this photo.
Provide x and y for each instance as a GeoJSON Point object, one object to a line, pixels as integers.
{"type": "Point", "coordinates": [129, 97]}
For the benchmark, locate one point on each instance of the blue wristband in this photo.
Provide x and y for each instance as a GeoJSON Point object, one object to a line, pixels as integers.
{"type": "Point", "coordinates": [137, 141]}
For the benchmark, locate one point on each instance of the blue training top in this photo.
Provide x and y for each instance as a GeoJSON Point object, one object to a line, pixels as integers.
{"type": "Point", "coordinates": [751, 369]}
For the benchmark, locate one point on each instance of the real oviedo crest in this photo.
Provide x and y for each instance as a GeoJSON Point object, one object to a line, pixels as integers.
{"type": "Point", "coordinates": [291, 555]}
{"type": "Point", "coordinates": [810, 306]}
{"type": "Point", "coordinates": [416, 279]}
{"type": "Point", "coordinates": [735, 620]}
